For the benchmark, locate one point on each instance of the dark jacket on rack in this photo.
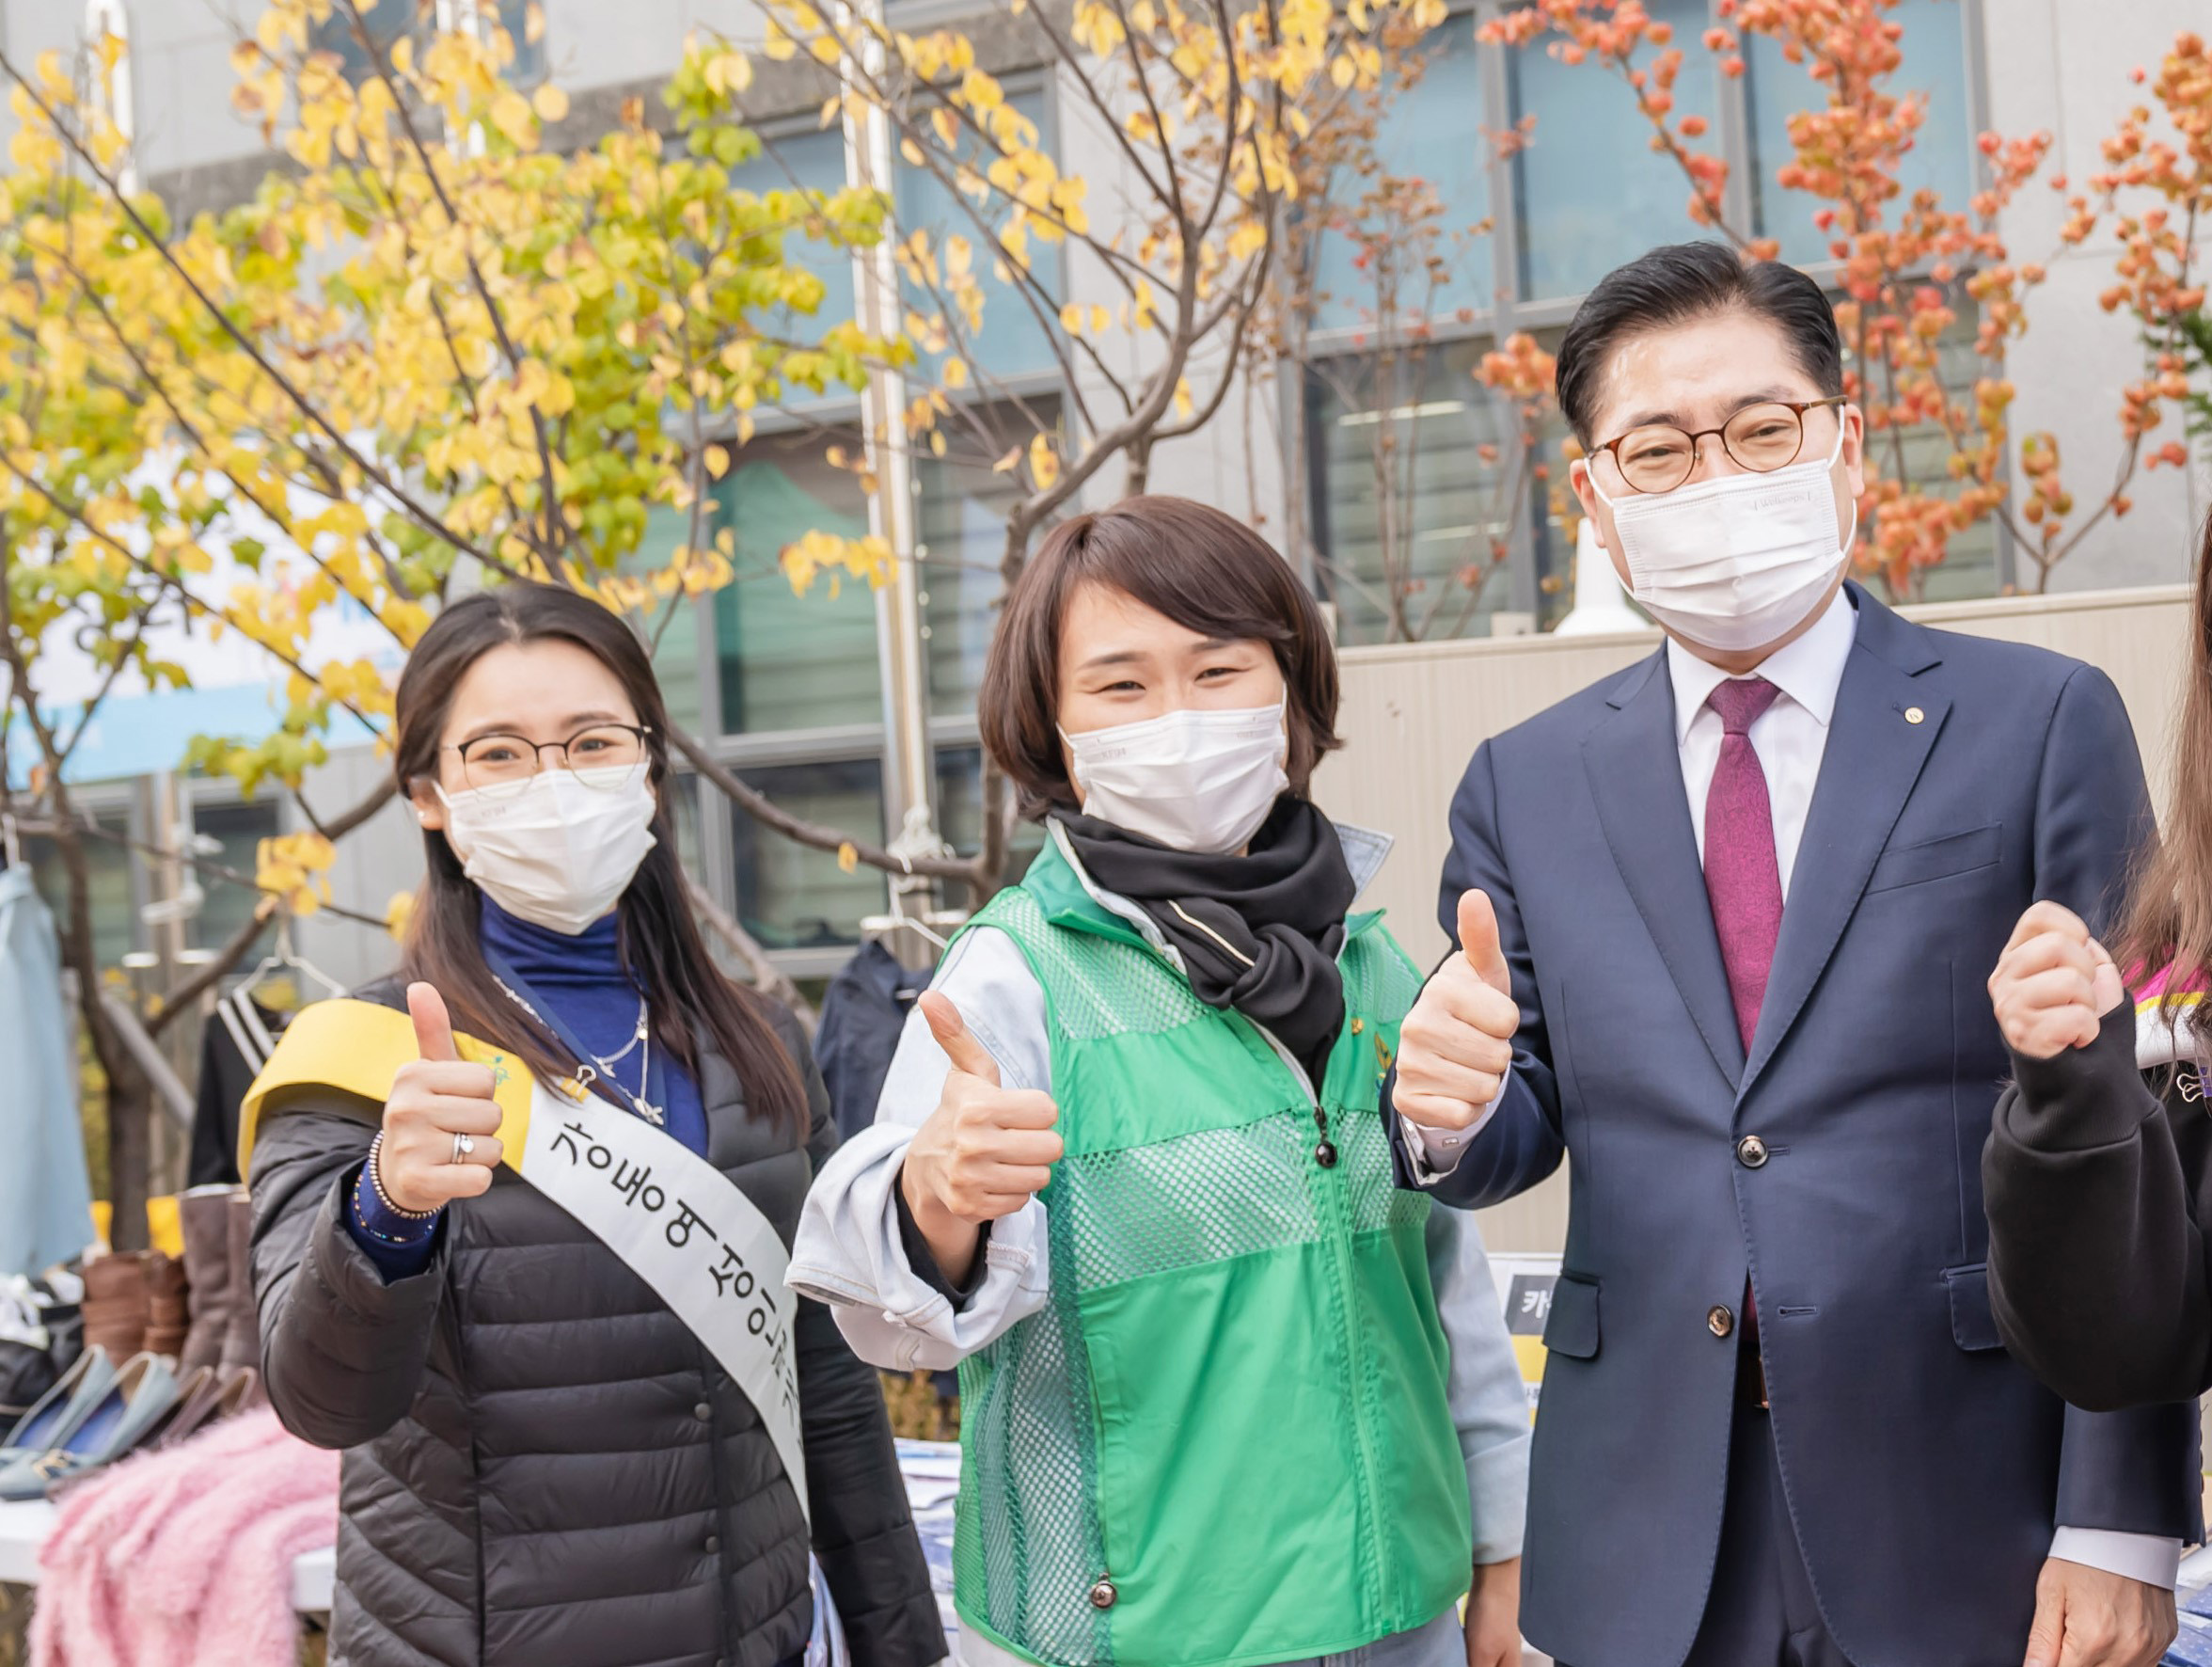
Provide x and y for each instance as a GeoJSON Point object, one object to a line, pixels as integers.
{"type": "Point", "coordinates": [547, 1467]}
{"type": "Point", "coordinates": [862, 1014]}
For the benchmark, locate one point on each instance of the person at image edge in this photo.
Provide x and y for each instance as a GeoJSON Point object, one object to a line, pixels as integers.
{"type": "Point", "coordinates": [1724, 921]}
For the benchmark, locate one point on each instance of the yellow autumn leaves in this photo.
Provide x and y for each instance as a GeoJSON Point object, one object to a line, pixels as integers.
{"type": "Point", "coordinates": [296, 868]}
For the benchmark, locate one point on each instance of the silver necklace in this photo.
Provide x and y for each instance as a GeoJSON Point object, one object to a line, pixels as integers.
{"type": "Point", "coordinates": [602, 1066]}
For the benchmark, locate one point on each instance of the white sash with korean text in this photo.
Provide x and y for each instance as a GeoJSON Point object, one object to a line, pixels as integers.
{"type": "Point", "coordinates": [680, 1225]}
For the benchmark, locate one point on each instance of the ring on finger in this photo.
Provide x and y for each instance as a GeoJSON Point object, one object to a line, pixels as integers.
{"type": "Point", "coordinates": [463, 1146]}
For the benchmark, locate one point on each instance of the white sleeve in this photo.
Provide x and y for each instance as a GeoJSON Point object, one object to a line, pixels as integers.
{"type": "Point", "coordinates": [1489, 1402]}
{"type": "Point", "coordinates": [1433, 1154]}
{"type": "Point", "coordinates": [848, 1252]}
{"type": "Point", "coordinates": [2144, 1558]}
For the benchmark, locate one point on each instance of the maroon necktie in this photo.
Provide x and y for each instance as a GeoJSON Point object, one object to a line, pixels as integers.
{"type": "Point", "coordinates": [1743, 878]}
{"type": "Point", "coordinates": [1744, 881]}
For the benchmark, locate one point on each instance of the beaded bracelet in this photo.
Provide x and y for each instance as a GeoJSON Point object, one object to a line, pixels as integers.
{"type": "Point", "coordinates": [376, 1184]}
{"type": "Point", "coordinates": [361, 1223]}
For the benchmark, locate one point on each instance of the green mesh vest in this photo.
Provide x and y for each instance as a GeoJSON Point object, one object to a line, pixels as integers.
{"type": "Point", "coordinates": [1224, 1441]}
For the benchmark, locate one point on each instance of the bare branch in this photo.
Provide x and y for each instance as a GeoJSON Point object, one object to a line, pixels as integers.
{"type": "Point", "coordinates": [767, 978]}
{"type": "Point", "coordinates": [179, 1001]}
{"type": "Point", "coordinates": [815, 834]}
{"type": "Point", "coordinates": [338, 827]}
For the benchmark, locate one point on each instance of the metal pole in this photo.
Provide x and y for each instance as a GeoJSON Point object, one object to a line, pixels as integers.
{"type": "Point", "coordinates": [909, 766]}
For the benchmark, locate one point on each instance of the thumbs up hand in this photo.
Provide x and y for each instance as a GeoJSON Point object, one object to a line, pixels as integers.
{"type": "Point", "coordinates": [1457, 1045]}
{"type": "Point", "coordinates": [438, 1100]}
{"type": "Point", "coordinates": [983, 1153]}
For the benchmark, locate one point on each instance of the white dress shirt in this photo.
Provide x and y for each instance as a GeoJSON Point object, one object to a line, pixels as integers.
{"type": "Point", "coordinates": [1790, 738]}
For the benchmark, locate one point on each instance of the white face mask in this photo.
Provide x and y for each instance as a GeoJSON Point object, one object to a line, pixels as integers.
{"type": "Point", "coordinates": [560, 852]}
{"type": "Point", "coordinates": [1195, 781]}
{"type": "Point", "coordinates": [1734, 563]}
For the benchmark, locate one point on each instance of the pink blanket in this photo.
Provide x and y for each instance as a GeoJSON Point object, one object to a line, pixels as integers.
{"type": "Point", "coordinates": [183, 1559]}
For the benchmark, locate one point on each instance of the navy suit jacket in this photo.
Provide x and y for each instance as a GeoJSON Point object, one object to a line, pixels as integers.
{"type": "Point", "coordinates": [1963, 779]}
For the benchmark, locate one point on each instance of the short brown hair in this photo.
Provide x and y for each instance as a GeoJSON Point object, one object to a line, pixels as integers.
{"type": "Point", "coordinates": [1207, 571]}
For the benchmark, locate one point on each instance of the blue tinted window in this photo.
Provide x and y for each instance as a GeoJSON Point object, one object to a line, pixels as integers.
{"type": "Point", "coordinates": [790, 661]}
{"type": "Point", "coordinates": [1011, 341]}
{"type": "Point", "coordinates": [1417, 479]}
{"type": "Point", "coordinates": [1432, 133]}
{"type": "Point", "coordinates": [962, 504]}
{"type": "Point", "coordinates": [1942, 158]}
{"type": "Point", "coordinates": [789, 895]}
{"type": "Point", "coordinates": [814, 161]}
{"type": "Point", "coordinates": [1593, 194]}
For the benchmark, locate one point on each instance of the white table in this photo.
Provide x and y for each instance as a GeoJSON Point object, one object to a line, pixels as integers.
{"type": "Point", "coordinates": [932, 1475]}
{"type": "Point", "coordinates": [24, 1529]}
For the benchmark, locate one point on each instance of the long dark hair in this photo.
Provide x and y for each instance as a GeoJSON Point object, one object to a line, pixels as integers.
{"type": "Point", "coordinates": [2168, 922]}
{"type": "Point", "coordinates": [660, 945]}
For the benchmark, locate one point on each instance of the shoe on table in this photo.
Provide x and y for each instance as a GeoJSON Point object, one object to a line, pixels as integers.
{"type": "Point", "coordinates": [223, 1395]}
{"type": "Point", "coordinates": [142, 1394]}
{"type": "Point", "coordinates": [194, 1389]}
{"type": "Point", "coordinates": [61, 1409]}
{"type": "Point", "coordinates": [204, 1213]}
{"type": "Point", "coordinates": [167, 1309]}
{"type": "Point", "coordinates": [118, 1302]}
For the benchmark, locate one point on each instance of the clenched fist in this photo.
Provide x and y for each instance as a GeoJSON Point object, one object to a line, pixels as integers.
{"type": "Point", "coordinates": [435, 1101]}
{"type": "Point", "coordinates": [1455, 1046]}
{"type": "Point", "coordinates": [2053, 985]}
{"type": "Point", "coordinates": [983, 1152]}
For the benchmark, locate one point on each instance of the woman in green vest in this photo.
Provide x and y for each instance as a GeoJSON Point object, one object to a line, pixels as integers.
{"type": "Point", "coordinates": [1228, 1397]}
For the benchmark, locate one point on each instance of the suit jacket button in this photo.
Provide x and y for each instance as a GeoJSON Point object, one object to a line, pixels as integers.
{"type": "Point", "coordinates": [1751, 1153]}
{"type": "Point", "coordinates": [1719, 1321]}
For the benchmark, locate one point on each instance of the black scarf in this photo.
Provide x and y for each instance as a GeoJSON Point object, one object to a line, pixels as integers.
{"type": "Point", "coordinates": [1258, 932]}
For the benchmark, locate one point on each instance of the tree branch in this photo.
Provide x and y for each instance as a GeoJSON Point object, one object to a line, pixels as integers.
{"type": "Point", "coordinates": [815, 834]}
{"type": "Point", "coordinates": [338, 827]}
{"type": "Point", "coordinates": [767, 978]}
{"type": "Point", "coordinates": [75, 514]}
{"type": "Point", "coordinates": [179, 1000]}
{"type": "Point", "coordinates": [550, 503]}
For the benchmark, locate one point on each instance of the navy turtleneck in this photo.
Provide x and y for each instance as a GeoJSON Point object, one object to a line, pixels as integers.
{"type": "Point", "coordinates": [581, 980]}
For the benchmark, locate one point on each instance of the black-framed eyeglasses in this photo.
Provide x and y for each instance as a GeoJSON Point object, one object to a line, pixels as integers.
{"type": "Point", "coordinates": [1761, 438]}
{"type": "Point", "coordinates": [603, 756]}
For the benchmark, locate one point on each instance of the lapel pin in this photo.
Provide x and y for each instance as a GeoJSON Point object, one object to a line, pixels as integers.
{"type": "Point", "coordinates": [1914, 715]}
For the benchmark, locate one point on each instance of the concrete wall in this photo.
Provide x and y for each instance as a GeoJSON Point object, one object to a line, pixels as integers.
{"type": "Point", "coordinates": [2062, 66]}
{"type": "Point", "coordinates": [1412, 717]}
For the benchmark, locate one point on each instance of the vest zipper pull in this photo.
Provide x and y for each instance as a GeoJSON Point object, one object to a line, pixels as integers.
{"type": "Point", "coordinates": [1325, 1151]}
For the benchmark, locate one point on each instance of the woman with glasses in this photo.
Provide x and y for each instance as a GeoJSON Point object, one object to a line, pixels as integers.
{"type": "Point", "coordinates": [517, 1211]}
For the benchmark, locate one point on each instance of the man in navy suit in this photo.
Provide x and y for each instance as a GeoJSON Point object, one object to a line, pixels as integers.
{"type": "Point", "coordinates": [1725, 920]}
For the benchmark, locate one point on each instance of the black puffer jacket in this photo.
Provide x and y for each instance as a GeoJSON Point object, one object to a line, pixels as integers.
{"type": "Point", "coordinates": [2098, 1182]}
{"type": "Point", "coordinates": [545, 1469]}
